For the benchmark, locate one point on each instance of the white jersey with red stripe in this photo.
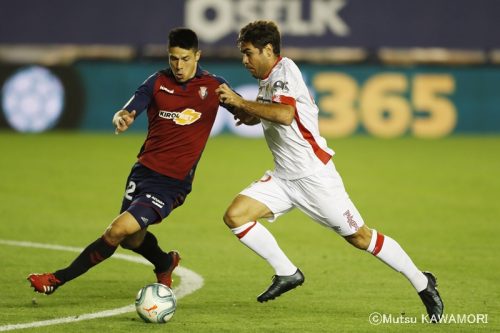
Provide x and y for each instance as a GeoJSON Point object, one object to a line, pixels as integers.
{"type": "Point", "coordinates": [298, 149]}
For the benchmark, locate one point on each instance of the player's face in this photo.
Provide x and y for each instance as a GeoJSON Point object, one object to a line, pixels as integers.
{"type": "Point", "coordinates": [258, 62]}
{"type": "Point", "coordinates": [183, 62]}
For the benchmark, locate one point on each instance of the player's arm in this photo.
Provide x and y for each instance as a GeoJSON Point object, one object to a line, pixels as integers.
{"type": "Point", "coordinates": [140, 101]}
{"type": "Point", "coordinates": [122, 120]}
{"type": "Point", "coordinates": [275, 112]}
{"type": "Point", "coordinates": [242, 117]}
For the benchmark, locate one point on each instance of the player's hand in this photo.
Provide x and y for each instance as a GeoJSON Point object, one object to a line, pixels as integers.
{"type": "Point", "coordinates": [227, 96]}
{"type": "Point", "coordinates": [122, 120]}
{"type": "Point", "coordinates": [242, 117]}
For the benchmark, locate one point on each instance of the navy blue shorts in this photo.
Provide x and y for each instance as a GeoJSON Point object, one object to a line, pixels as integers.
{"type": "Point", "coordinates": [150, 196]}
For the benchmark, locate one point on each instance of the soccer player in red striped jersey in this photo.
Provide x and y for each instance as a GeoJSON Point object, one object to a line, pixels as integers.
{"type": "Point", "coordinates": [181, 105]}
{"type": "Point", "coordinates": [304, 175]}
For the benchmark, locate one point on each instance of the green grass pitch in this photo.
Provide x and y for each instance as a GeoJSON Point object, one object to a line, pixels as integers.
{"type": "Point", "coordinates": [438, 198]}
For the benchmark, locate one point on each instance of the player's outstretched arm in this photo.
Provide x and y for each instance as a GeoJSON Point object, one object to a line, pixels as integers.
{"type": "Point", "coordinates": [122, 120]}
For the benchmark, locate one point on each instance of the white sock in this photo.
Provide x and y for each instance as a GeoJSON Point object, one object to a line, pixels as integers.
{"type": "Point", "coordinates": [261, 241]}
{"type": "Point", "coordinates": [391, 253]}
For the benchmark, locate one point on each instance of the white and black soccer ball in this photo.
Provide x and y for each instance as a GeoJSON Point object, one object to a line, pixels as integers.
{"type": "Point", "coordinates": [155, 303]}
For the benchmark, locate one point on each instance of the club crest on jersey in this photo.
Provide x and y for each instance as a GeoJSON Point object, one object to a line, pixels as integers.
{"type": "Point", "coordinates": [186, 117]}
{"type": "Point", "coordinates": [203, 92]}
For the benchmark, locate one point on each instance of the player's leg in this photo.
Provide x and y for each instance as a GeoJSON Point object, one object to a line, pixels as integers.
{"type": "Point", "coordinates": [241, 217]}
{"type": "Point", "coordinates": [146, 244]}
{"type": "Point", "coordinates": [122, 226]}
{"type": "Point", "coordinates": [326, 201]}
{"type": "Point", "coordinates": [137, 213]}
{"type": "Point", "coordinates": [390, 252]}
{"type": "Point", "coordinates": [150, 198]}
{"type": "Point", "coordinates": [96, 252]}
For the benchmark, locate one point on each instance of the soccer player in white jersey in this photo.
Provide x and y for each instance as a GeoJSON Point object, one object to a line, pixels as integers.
{"type": "Point", "coordinates": [304, 175]}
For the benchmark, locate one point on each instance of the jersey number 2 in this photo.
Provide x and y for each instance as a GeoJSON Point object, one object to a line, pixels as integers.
{"type": "Point", "coordinates": [130, 190]}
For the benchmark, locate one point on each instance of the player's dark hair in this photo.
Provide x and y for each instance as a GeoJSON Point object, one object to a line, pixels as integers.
{"type": "Point", "coordinates": [261, 33]}
{"type": "Point", "coordinates": [184, 38]}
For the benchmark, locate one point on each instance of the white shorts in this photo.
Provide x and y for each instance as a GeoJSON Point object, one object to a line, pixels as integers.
{"type": "Point", "coordinates": [321, 196]}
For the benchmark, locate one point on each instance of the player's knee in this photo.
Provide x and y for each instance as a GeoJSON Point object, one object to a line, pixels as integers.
{"type": "Point", "coordinates": [228, 219]}
{"type": "Point", "coordinates": [115, 234]}
{"type": "Point", "coordinates": [121, 228]}
{"type": "Point", "coordinates": [233, 217]}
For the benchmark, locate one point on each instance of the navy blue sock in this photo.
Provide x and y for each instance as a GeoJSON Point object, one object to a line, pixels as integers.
{"type": "Point", "coordinates": [150, 250]}
{"type": "Point", "coordinates": [93, 254]}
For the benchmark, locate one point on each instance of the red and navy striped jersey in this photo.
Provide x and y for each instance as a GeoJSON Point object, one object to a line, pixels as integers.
{"type": "Point", "coordinates": [180, 118]}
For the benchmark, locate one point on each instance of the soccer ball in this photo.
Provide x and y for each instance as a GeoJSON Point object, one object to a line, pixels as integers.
{"type": "Point", "coordinates": [155, 303]}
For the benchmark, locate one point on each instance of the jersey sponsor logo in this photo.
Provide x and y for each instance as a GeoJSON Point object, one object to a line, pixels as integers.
{"type": "Point", "coordinates": [186, 117]}
{"type": "Point", "coordinates": [280, 85]}
{"type": "Point", "coordinates": [170, 91]}
{"type": "Point", "coordinates": [203, 92]}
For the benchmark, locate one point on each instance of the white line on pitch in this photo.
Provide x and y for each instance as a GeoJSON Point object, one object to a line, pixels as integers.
{"type": "Point", "coordinates": [190, 282]}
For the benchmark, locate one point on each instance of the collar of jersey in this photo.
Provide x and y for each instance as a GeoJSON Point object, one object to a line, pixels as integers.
{"type": "Point", "coordinates": [271, 70]}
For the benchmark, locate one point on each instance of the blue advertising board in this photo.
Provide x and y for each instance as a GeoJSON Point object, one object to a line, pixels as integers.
{"type": "Point", "coordinates": [388, 102]}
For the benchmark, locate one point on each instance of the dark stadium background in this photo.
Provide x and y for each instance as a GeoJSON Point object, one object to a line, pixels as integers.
{"type": "Point", "coordinates": [437, 59]}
